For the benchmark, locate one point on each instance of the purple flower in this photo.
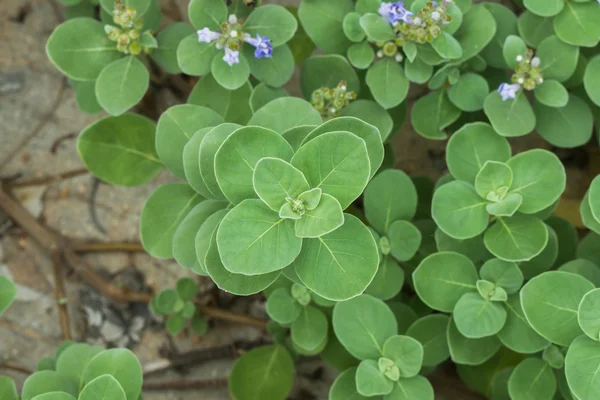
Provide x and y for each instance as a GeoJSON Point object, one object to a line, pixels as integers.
{"type": "Point", "coordinates": [507, 91]}
{"type": "Point", "coordinates": [263, 45]}
{"type": "Point", "coordinates": [206, 35]}
{"type": "Point", "coordinates": [394, 12]}
{"type": "Point", "coordinates": [231, 56]}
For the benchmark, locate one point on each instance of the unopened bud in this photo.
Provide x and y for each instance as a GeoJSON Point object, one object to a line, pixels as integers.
{"type": "Point", "coordinates": [135, 48]}
{"type": "Point", "coordinates": [535, 62]}
{"type": "Point", "coordinates": [519, 58]}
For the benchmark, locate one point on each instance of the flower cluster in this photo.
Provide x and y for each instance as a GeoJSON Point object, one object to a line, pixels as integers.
{"type": "Point", "coordinates": [426, 25]}
{"type": "Point", "coordinates": [527, 76]}
{"type": "Point", "coordinates": [231, 38]}
{"type": "Point", "coordinates": [329, 102]}
{"type": "Point", "coordinates": [129, 33]}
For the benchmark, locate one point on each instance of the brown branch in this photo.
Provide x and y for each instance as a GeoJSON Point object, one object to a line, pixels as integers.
{"type": "Point", "coordinates": [46, 180]}
{"type": "Point", "coordinates": [16, 368]}
{"type": "Point", "coordinates": [96, 247]}
{"type": "Point", "coordinates": [186, 384]}
{"type": "Point", "coordinates": [60, 294]}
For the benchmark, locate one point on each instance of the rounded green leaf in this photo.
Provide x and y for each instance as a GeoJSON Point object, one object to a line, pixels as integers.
{"type": "Point", "coordinates": [361, 55]}
{"type": "Point", "coordinates": [418, 71]}
{"type": "Point", "coordinates": [376, 28]}
{"type": "Point", "coordinates": [72, 362]}
{"type": "Point", "coordinates": [8, 292]}
{"type": "Point", "coordinates": [120, 150]}
{"type": "Point", "coordinates": [577, 24]}
{"type": "Point", "coordinates": [194, 57]}
{"type": "Point", "coordinates": [471, 146]}
{"type": "Point", "coordinates": [80, 49]}
{"type": "Point", "coordinates": [405, 240]}
{"type": "Point", "coordinates": [211, 143]}
{"type": "Point", "coordinates": [493, 180]}
{"type": "Point", "coordinates": [231, 77]}
{"type": "Point", "coordinates": [388, 281]}
{"type": "Point", "coordinates": [473, 248]}
{"type": "Point", "coordinates": [282, 308]}
{"type": "Point", "coordinates": [232, 105]}
{"type": "Point", "coordinates": [588, 248]}
{"type": "Point", "coordinates": [389, 197]}
{"type": "Point", "coordinates": [344, 387]}
{"type": "Point", "coordinates": [476, 317]}
{"type": "Point", "coordinates": [263, 373]}
{"type": "Point", "coordinates": [341, 264]}
{"type": "Point", "coordinates": [581, 364]}
{"type": "Point", "coordinates": [236, 159]}
{"type": "Point", "coordinates": [591, 80]}
{"type": "Point", "coordinates": [407, 353]}
{"type": "Point", "coordinates": [371, 381]}
{"type": "Point", "coordinates": [505, 274]}
{"type": "Point", "coordinates": [587, 314]}
{"type": "Point", "coordinates": [336, 162]}
{"type": "Point", "coordinates": [551, 93]}
{"type": "Point", "coordinates": [85, 92]}
{"type": "Point", "coordinates": [285, 113]}
{"type": "Point", "coordinates": [512, 48]}
{"type": "Point", "coordinates": [168, 39]}
{"type": "Point", "coordinates": [517, 334]}
{"type": "Point", "coordinates": [275, 70]}
{"type": "Point", "coordinates": [164, 210]}
{"type": "Point", "coordinates": [594, 198]}
{"type": "Point", "coordinates": [431, 332]}
{"type": "Point", "coordinates": [46, 381]}
{"type": "Point", "coordinates": [122, 365]}
{"type": "Point", "coordinates": [512, 117]}
{"type": "Point", "coordinates": [190, 163]}
{"type": "Point", "coordinates": [532, 379]}
{"type": "Point", "coordinates": [506, 22]}
{"type": "Point", "coordinates": [175, 324]}
{"type": "Point", "coordinates": [273, 21]}
{"type": "Point", "coordinates": [447, 46]}
{"type": "Point", "coordinates": [372, 113]}
{"type": "Point", "coordinates": [518, 238]}
{"type": "Point", "coordinates": [238, 284]}
{"type": "Point", "coordinates": [443, 278]}
{"type": "Point", "coordinates": [575, 119]}
{"type": "Point", "coordinates": [263, 93]}
{"type": "Point", "coordinates": [327, 71]}
{"type": "Point", "coordinates": [417, 387]}
{"type": "Point", "coordinates": [469, 93]}
{"type": "Point", "coordinates": [477, 30]}
{"type": "Point", "coordinates": [550, 303]}
{"type": "Point", "coordinates": [309, 330]}
{"type": "Point", "coordinates": [362, 325]}
{"type": "Point", "coordinates": [544, 8]}
{"type": "Point", "coordinates": [538, 176]}
{"type": "Point", "coordinates": [325, 218]}
{"type": "Point", "coordinates": [207, 14]}
{"type": "Point", "coordinates": [533, 29]}
{"type": "Point", "coordinates": [433, 113]}
{"type": "Point", "coordinates": [122, 84]}
{"type": "Point", "coordinates": [103, 387]}
{"type": "Point", "coordinates": [585, 268]}
{"type": "Point", "coordinates": [203, 239]}
{"type": "Point", "coordinates": [322, 21]}
{"type": "Point", "coordinates": [351, 27]}
{"type": "Point", "coordinates": [275, 180]}
{"type": "Point", "coordinates": [254, 240]}
{"type": "Point", "coordinates": [467, 351]}
{"type": "Point", "coordinates": [558, 59]}
{"type": "Point", "coordinates": [387, 82]}
{"type": "Point", "coordinates": [47, 396]}
{"type": "Point", "coordinates": [175, 128]}
{"type": "Point", "coordinates": [459, 211]}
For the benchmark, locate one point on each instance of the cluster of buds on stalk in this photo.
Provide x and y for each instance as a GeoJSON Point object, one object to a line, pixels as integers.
{"type": "Point", "coordinates": [329, 102]}
{"type": "Point", "coordinates": [426, 25]}
{"type": "Point", "coordinates": [129, 31]}
{"type": "Point", "coordinates": [527, 76]}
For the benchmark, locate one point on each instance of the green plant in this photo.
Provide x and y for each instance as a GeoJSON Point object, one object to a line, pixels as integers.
{"type": "Point", "coordinates": [298, 198]}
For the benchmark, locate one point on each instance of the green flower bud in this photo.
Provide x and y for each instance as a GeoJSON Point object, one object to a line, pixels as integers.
{"type": "Point", "coordinates": [135, 48]}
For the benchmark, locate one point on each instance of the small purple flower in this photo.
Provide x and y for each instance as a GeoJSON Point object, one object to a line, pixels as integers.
{"type": "Point", "coordinates": [394, 12]}
{"type": "Point", "coordinates": [231, 56]}
{"type": "Point", "coordinates": [206, 35]}
{"type": "Point", "coordinates": [263, 45]}
{"type": "Point", "coordinates": [507, 91]}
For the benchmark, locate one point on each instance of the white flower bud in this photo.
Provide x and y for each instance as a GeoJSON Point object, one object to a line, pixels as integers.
{"type": "Point", "coordinates": [417, 21]}
{"type": "Point", "coordinates": [435, 16]}
{"type": "Point", "coordinates": [342, 87]}
{"type": "Point", "coordinates": [380, 54]}
{"type": "Point", "coordinates": [399, 57]}
{"type": "Point", "coordinates": [233, 34]}
{"type": "Point", "coordinates": [521, 80]}
{"type": "Point", "coordinates": [540, 80]}
{"type": "Point", "coordinates": [232, 19]}
{"type": "Point", "coordinates": [519, 58]}
{"type": "Point", "coordinates": [332, 110]}
{"type": "Point", "coordinates": [535, 62]}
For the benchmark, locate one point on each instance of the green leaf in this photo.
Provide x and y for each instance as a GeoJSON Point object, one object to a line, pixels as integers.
{"type": "Point", "coordinates": [168, 39]}
{"type": "Point", "coordinates": [236, 159]}
{"type": "Point", "coordinates": [285, 113]}
{"type": "Point", "coordinates": [188, 310]}
{"type": "Point", "coordinates": [51, 396]}
{"type": "Point", "coordinates": [477, 30]}
{"type": "Point", "coordinates": [550, 303]}
{"type": "Point", "coordinates": [505, 274]}
{"type": "Point", "coordinates": [275, 70]}
{"type": "Point", "coordinates": [577, 24]}
{"type": "Point", "coordinates": [325, 218]}
{"type": "Point", "coordinates": [46, 363]}
{"type": "Point", "coordinates": [447, 46]}
{"type": "Point", "coordinates": [263, 93]}
{"type": "Point", "coordinates": [164, 210]}
{"type": "Point", "coordinates": [459, 211]}
{"type": "Point", "coordinates": [433, 113]}
{"type": "Point", "coordinates": [203, 240]}
{"type": "Point", "coordinates": [469, 93]}
{"type": "Point", "coordinates": [309, 330]}
{"type": "Point", "coordinates": [405, 240]}
{"type": "Point", "coordinates": [199, 325]}
{"type": "Point", "coordinates": [238, 284]}
{"type": "Point", "coordinates": [254, 240]}
{"type": "Point", "coordinates": [376, 28]}
{"type": "Point", "coordinates": [418, 71]}
{"type": "Point", "coordinates": [538, 176]}
{"type": "Point", "coordinates": [443, 278]}
{"type": "Point", "coordinates": [122, 365]}
{"type": "Point", "coordinates": [72, 362]}
{"type": "Point", "coordinates": [344, 387]}
{"type": "Point", "coordinates": [594, 198]}
{"type": "Point", "coordinates": [517, 334]}
{"type": "Point", "coordinates": [190, 163]}
{"type": "Point", "coordinates": [509, 118]}
{"type": "Point", "coordinates": [493, 180]}
{"type": "Point", "coordinates": [85, 92]}
{"type": "Point", "coordinates": [369, 133]}
{"type": "Point", "coordinates": [274, 180]}
{"type": "Point", "coordinates": [8, 292]}
{"type": "Point", "coordinates": [405, 316]}
{"type": "Point", "coordinates": [431, 332]}
{"type": "Point", "coordinates": [232, 105]}
{"type": "Point", "coordinates": [591, 80]}
{"type": "Point", "coordinates": [187, 288]}
{"type": "Point", "coordinates": [513, 47]}
{"type": "Point", "coordinates": [372, 113]}
{"type": "Point", "coordinates": [467, 351]}
{"type": "Point", "coordinates": [584, 268]}
{"type": "Point", "coordinates": [558, 59]}
{"type": "Point", "coordinates": [336, 162]}
{"type": "Point", "coordinates": [273, 21]}
{"type": "Point", "coordinates": [476, 317]}
{"type": "Point", "coordinates": [544, 8]}
{"type": "Point", "coordinates": [518, 238]}
{"type": "Point", "coordinates": [388, 281]}
{"type": "Point", "coordinates": [211, 143]}
{"type": "Point", "coordinates": [341, 264]}
{"type": "Point", "coordinates": [575, 118]}
{"type": "Point", "coordinates": [389, 197]}
{"type": "Point", "coordinates": [506, 26]}
{"type": "Point", "coordinates": [371, 381]}
{"type": "Point", "coordinates": [506, 207]}
{"type": "Point", "coordinates": [387, 82]}
{"type": "Point", "coordinates": [551, 94]}
{"type": "Point", "coordinates": [363, 325]}
{"type": "Point", "coordinates": [207, 14]}
{"type": "Point", "coordinates": [282, 308]}
{"type": "Point", "coordinates": [588, 248]}
{"type": "Point", "coordinates": [103, 387]}
{"type": "Point", "coordinates": [122, 84]}
{"type": "Point", "coordinates": [581, 364]}
{"type": "Point", "coordinates": [46, 381]}
{"type": "Point", "coordinates": [532, 379]}
{"type": "Point", "coordinates": [473, 248]}
{"type": "Point", "coordinates": [406, 352]}
{"type": "Point", "coordinates": [263, 373]}
{"type": "Point", "coordinates": [533, 29]}
{"type": "Point", "coordinates": [322, 20]}
{"type": "Point", "coordinates": [567, 238]}
{"type": "Point", "coordinates": [587, 314]}
{"type": "Point", "coordinates": [194, 57]}
{"type": "Point", "coordinates": [352, 29]}
{"type": "Point", "coordinates": [414, 388]}
{"type": "Point", "coordinates": [175, 128]}
{"type": "Point", "coordinates": [80, 49]}
{"type": "Point", "coordinates": [231, 77]}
